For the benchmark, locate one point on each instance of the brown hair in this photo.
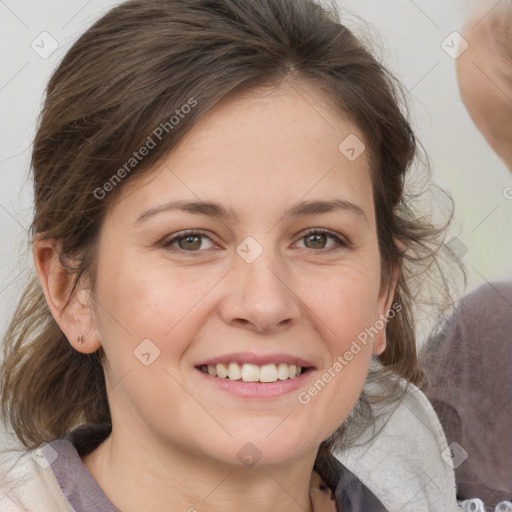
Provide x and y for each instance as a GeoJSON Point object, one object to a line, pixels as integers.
{"type": "Point", "coordinates": [127, 75]}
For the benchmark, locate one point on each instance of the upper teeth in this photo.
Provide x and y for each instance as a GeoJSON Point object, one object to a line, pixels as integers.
{"type": "Point", "coordinates": [252, 372]}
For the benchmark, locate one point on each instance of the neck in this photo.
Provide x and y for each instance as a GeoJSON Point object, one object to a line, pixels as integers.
{"type": "Point", "coordinates": [139, 473]}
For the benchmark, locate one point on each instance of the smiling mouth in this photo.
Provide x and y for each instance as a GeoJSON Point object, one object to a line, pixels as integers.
{"type": "Point", "coordinates": [254, 373]}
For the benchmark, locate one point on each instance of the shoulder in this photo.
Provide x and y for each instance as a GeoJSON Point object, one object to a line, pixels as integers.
{"type": "Point", "coordinates": [467, 363]}
{"type": "Point", "coordinates": [491, 300]}
{"type": "Point", "coordinates": [468, 372]}
{"type": "Point", "coordinates": [494, 291]}
{"type": "Point", "coordinates": [404, 459]}
{"type": "Point", "coordinates": [485, 311]}
{"type": "Point", "coordinates": [27, 482]}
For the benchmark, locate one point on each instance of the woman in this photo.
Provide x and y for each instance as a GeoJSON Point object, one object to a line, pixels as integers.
{"type": "Point", "coordinates": [224, 250]}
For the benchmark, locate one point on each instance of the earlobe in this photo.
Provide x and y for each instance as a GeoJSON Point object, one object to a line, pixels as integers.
{"type": "Point", "coordinates": [379, 344]}
{"type": "Point", "coordinates": [74, 314]}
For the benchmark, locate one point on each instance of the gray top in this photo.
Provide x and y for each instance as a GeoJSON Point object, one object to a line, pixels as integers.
{"type": "Point", "coordinates": [78, 485]}
{"type": "Point", "coordinates": [85, 495]}
{"type": "Point", "coordinates": [468, 368]}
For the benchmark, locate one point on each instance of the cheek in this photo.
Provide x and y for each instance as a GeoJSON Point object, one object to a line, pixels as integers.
{"type": "Point", "coordinates": [333, 393]}
{"type": "Point", "coordinates": [148, 321]}
{"type": "Point", "coordinates": [345, 303]}
{"type": "Point", "coordinates": [149, 304]}
{"type": "Point", "coordinates": [344, 312]}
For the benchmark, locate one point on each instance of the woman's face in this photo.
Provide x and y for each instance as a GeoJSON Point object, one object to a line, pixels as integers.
{"type": "Point", "coordinates": [250, 285]}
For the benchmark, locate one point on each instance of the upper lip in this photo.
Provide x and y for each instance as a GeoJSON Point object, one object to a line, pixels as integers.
{"type": "Point", "coordinates": [257, 359]}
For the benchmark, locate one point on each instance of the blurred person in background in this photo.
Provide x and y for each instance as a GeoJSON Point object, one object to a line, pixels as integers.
{"type": "Point", "coordinates": [468, 365]}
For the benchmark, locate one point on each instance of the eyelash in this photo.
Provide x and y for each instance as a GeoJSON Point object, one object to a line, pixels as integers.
{"type": "Point", "coordinates": [341, 244]}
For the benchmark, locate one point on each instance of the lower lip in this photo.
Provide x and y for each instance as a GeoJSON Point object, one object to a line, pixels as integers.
{"type": "Point", "coordinates": [258, 389]}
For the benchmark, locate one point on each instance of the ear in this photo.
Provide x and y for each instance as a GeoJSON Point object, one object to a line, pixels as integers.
{"type": "Point", "coordinates": [75, 317]}
{"type": "Point", "coordinates": [385, 301]}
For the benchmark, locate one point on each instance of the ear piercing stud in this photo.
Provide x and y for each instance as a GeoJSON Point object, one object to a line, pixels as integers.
{"type": "Point", "coordinates": [80, 339]}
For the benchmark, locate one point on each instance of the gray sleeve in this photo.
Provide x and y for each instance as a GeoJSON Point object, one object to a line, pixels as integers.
{"type": "Point", "coordinates": [469, 382]}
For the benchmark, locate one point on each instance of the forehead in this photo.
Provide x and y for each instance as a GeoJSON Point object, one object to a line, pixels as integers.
{"type": "Point", "coordinates": [272, 146]}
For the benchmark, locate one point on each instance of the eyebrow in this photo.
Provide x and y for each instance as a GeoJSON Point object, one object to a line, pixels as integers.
{"type": "Point", "coordinates": [217, 210]}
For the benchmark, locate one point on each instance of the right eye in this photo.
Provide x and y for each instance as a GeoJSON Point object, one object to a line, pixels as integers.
{"type": "Point", "coordinates": [188, 241]}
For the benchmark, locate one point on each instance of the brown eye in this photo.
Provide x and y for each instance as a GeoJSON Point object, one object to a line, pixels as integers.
{"type": "Point", "coordinates": [187, 241]}
{"type": "Point", "coordinates": [317, 239]}
{"type": "Point", "coordinates": [190, 242]}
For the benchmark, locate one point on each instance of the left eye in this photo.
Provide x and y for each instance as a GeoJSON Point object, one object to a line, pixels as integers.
{"type": "Point", "coordinates": [191, 241]}
{"type": "Point", "coordinates": [319, 236]}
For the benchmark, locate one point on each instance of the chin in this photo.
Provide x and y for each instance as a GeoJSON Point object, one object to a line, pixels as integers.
{"type": "Point", "coordinates": [252, 451]}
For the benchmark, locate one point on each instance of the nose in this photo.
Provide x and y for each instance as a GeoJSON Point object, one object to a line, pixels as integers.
{"type": "Point", "coordinates": [259, 296]}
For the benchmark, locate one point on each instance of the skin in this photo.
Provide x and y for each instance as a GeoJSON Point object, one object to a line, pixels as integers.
{"type": "Point", "coordinates": [259, 154]}
{"type": "Point", "coordinates": [484, 75]}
